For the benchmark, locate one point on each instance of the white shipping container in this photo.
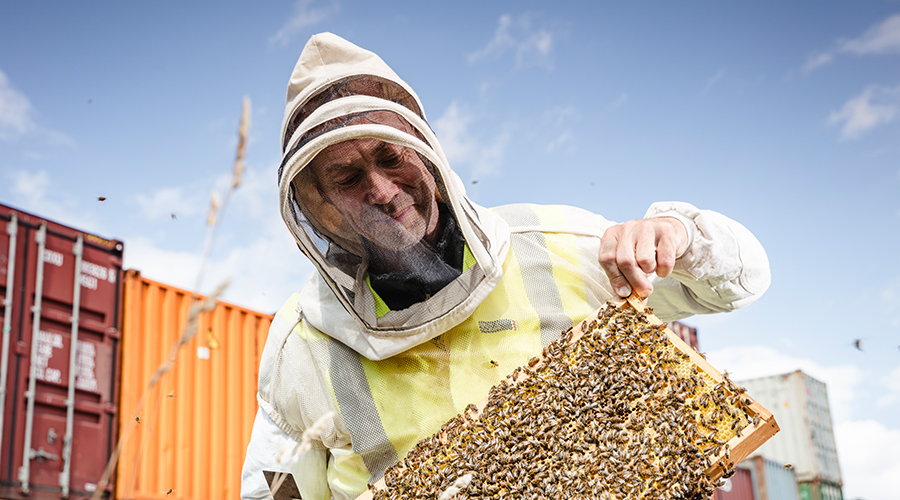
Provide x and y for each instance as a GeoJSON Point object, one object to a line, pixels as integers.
{"type": "Point", "coordinates": [806, 441]}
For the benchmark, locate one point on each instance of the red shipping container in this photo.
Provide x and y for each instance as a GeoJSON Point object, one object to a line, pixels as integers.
{"type": "Point", "coordinates": [737, 487]}
{"type": "Point", "coordinates": [58, 405]}
{"type": "Point", "coordinates": [687, 333]}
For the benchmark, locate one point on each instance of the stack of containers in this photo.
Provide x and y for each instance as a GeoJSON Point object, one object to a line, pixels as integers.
{"type": "Point", "coordinates": [80, 339]}
{"type": "Point", "coordinates": [806, 441]}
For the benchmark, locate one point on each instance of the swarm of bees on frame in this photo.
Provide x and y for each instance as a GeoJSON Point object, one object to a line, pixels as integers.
{"type": "Point", "coordinates": [617, 413]}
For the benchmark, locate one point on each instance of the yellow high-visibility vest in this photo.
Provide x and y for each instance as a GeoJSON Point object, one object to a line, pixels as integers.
{"type": "Point", "coordinates": [551, 280]}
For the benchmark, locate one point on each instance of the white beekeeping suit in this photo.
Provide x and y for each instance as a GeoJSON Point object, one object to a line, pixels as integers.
{"type": "Point", "coordinates": [420, 293]}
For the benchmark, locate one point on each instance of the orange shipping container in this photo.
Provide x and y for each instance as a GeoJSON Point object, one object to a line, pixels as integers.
{"type": "Point", "coordinates": [186, 440]}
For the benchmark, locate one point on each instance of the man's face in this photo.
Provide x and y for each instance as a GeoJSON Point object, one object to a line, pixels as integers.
{"type": "Point", "coordinates": [383, 190]}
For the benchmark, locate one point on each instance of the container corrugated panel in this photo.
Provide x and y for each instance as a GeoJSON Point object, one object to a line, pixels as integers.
{"type": "Point", "coordinates": [737, 487]}
{"type": "Point", "coordinates": [687, 333]}
{"type": "Point", "coordinates": [820, 490]}
{"type": "Point", "coordinates": [72, 397]}
{"type": "Point", "coordinates": [806, 441]}
{"type": "Point", "coordinates": [772, 480]}
{"type": "Point", "coordinates": [187, 439]}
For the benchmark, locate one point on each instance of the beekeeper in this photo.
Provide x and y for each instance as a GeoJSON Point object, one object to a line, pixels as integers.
{"type": "Point", "coordinates": [424, 300]}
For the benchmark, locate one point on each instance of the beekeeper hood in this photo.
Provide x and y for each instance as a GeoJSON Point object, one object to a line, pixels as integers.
{"type": "Point", "coordinates": [367, 193]}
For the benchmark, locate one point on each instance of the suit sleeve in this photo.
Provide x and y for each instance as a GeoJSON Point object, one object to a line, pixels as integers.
{"type": "Point", "coordinates": [724, 267]}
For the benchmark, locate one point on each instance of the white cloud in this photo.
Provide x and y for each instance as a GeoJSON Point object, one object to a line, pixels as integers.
{"type": "Point", "coordinates": [34, 191]}
{"type": "Point", "coordinates": [463, 149]}
{"type": "Point", "coordinates": [170, 200]}
{"type": "Point", "coordinates": [261, 262]}
{"type": "Point", "coordinates": [305, 15]}
{"type": "Point", "coordinates": [56, 138]}
{"type": "Point", "coordinates": [29, 186]}
{"type": "Point", "coordinates": [559, 121]}
{"type": "Point", "coordinates": [891, 395]}
{"type": "Point", "coordinates": [15, 110]}
{"type": "Point", "coordinates": [531, 46]}
{"type": "Point", "coordinates": [890, 295]}
{"type": "Point", "coordinates": [253, 248]}
{"type": "Point", "coordinates": [264, 271]}
{"type": "Point", "coordinates": [452, 130]}
{"type": "Point", "coordinates": [563, 139]}
{"type": "Point", "coordinates": [16, 117]}
{"type": "Point", "coordinates": [870, 459]}
{"type": "Point", "coordinates": [713, 80]}
{"type": "Point", "coordinates": [875, 106]}
{"type": "Point", "coordinates": [880, 39]}
{"type": "Point", "coordinates": [883, 38]}
{"type": "Point", "coordinates": [561, 115]}
{"type": "Point", "coordinates": [817, 61]}
{"type": "Point", "coordinates": [173, 267]}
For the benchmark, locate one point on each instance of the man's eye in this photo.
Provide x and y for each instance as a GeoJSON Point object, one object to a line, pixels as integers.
{"type": "Point", "coordinates": [347, 181]}
{"type": "Point", "coordinates": [391, 160]}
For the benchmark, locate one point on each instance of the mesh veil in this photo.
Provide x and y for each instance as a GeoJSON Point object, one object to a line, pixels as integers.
{"type": "Point", "coordinates": [366, 197]}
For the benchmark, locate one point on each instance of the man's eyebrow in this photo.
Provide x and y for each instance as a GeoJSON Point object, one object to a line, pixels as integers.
{"type": "Point", "coordinates": [334, 167]}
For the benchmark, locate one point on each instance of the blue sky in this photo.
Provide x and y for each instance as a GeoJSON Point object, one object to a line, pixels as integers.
{"type": "Point", "coordinates": [783, 116]}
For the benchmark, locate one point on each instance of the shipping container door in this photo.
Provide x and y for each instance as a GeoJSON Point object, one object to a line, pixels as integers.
{"type": "Point", "coordinates": [62, 422]}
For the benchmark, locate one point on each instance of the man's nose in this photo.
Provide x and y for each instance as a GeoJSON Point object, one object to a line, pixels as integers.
{"type": "Point", "coordinates": [381, 189]}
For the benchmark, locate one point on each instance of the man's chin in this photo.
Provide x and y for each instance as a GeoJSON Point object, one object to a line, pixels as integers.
{"type": "Point", "coordinates": [397, 239]}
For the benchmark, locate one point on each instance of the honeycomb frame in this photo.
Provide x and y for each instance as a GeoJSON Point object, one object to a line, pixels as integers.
{"type": "Point", "coordinates": [751, 424]}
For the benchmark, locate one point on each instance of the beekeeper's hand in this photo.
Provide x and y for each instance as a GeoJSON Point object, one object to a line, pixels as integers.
{"type": "Point", "coordinates": [630, 251]}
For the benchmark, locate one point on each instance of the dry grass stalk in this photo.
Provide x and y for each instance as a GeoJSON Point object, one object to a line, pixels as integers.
{"type": "Point", "coordinates": [243, 131]}
{"type": "Point", "coordinates": [214, 203]}
{"type": "Point", "coordinates": [285, 457]}
{"type": "Point", "coordinates": [192, 324]}
{"type": "Point", "coordinates": [217, 209]}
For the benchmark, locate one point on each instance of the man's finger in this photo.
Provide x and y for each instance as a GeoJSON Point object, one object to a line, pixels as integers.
{"type": "Point", "coordinates": [609, 261]}
{"type": "Point", "coordinates": [665, 256]}
{"type": "Point", "coordinates": [645, 250]}
{"type": "Point", "coordinates": [628, 263]}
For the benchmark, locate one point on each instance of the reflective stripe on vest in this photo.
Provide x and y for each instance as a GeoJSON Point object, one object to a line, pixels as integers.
{"type": "Point", "coordinates": [389, 405]}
